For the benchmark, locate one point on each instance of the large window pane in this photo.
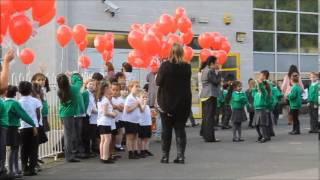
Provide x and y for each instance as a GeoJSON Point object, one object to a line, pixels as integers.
{"type": "Point", "coordinates": [265, 4]}
{"type": "Point", "coordinates": [309, 63]}
{"type": "Point", "coordinates": [309, 5]}
{"type": "Point", "coordinates": [263, 20]}
{"type": "Point", "coordinates": [308, 23]}
{"type": "Point", "coordinates": [287, 22]}
{"type": "Point", "coordinates": [309, 44]}
{"type": "Point", "coordinates": [287, 42]}
{"type": "Point", "coordinates": [263, 62]}
{"type": "Point", "coordinates": [287, 5]}
{"type": "Point", "coordinates": [263, 42]}
{"type": "Point", "coordinates": [284, 61]}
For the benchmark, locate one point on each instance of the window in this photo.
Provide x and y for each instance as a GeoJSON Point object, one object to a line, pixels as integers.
{"type": "Point", "coordinates": [308, 23]}
{"type": "Point", "coordinates": [309, 5]}
{"type": "Point", "coordinates": [263, 20]}
{"type": "Point", "coordinates": [120, 40]}
{"type": "Point", "coordinates": [263, 4]}
{"type": "Point", "coordinates": [287, 5]}
{"type": "Point", "coordinates": [263, 61]}
{"type": "Point", "coordinates": [308, 44]}
{"type": "Point", "coordinates": [287, 42]}
{"type": "Point", "coordinates": [287, 22]}
{"type": "Point", "coordinates": [263, 42]}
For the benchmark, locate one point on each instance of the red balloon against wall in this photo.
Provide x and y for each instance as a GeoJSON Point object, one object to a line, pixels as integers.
{"type": "Point", "coordinates": [20, 29]}
{"type": "Point", "coordinates": [188, 53]}
{"type": "Point", "coordinates": [187, 37]}
{"type": "Point", "coordinates": [5, 19]}
{"type": "Point", "coordinates": [41, 7]}
{"type": "Point", "coordinates": [136, 59]}
{"type": "Point", "coordinates": [204, 54]}
{"type": "Point", "coordinates": [152, 44]}
{"type": "Point", "coordinates": [83, 45]}
{"type": "Point", "coordinates": [61, 20]}
{"type": "Point", "coordinates": [84, 62]}
{"type": "Point", "coordinates": [135, 39]}
{"type": "Point", "coordinates": [47, 18]}
{"type": "Point", "coordinates": [180, 11]}
{"type": "Point", "coordinates": [107, 56]}
{"type": "Point", "coordinates": [166, 23]}
{"type": "Point", "coordinates": [205, 40]}
{"type": "Point", "coordinates": [64, 35]}
{"type": "Point", "coordinates": [155, 31]}
{"type": "Point", "coordinates": [216, 43]}
{"type": "Point", "coordinates": [100, 43]}
{"type": "Point", "coordinates": [27, 56]}
{"type": "Point", "coordinates": [222, 57]}
{"type": "Point", "coordinates": [184, 24]}
{"type": "Point", "coordinates": [79, 33]}
{"type": "Point", "coordinates": [21, 5]}
{"type": "Point", "coordinates": [226, 46]}
{"type": "Point", "coordinates": [165, 49]}
{"type": "Point", "coordinates": [174, 38]}
{"type": "Point", "coordinates": [6, 7]}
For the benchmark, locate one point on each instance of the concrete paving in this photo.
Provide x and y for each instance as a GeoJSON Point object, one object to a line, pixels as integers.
{"type": "Point", "coordinates": [284, 158]}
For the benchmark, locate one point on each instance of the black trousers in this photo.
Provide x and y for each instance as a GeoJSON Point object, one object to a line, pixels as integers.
{"type": "Point", "coordinates": [69, 137]}
{"type": "Point", "coordinates": [209, 108]}
{"type": "Point", "coordinates": [295, 118]}
{"type": "Point", "coordinates": [168, 124]}
{"type": "Point", "coordinates": [86, 134]}
{"type": "Point", "coordinates": [94, 135]}
{"type": "Point", "coordinates": [29, 149]}
{"type": "Point", "coordinates": [251, 116]}
{"type": "Point", "coordinates": [314, 117]}
{"type": "Point", "coordinates": [79, 146]}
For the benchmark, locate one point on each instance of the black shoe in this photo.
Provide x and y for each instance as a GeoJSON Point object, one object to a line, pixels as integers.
{"type": "Point", "coordinates": [30, 173]}
{"type": "Point", "coordinates": [240, 140]}
{"type": "Point", "coordinates": [263, 140]}
{"type": "Point", "coordinates": [179, 160]}
{"type": "Point", "coordinates": [148, 153]}
{"type": "Point", "coordinates": [311, 132]}
{"type": "Point", "coordinates": [132, 155]}
{"type": "Point", "coordinates": [137, 154]}
{"type": "Point", "coordinates": [268, 139]}
{"type": "Point", "coordinates": [294, 132]}
{"type": "Point", "coordinates": [259, 139]}
{"type": "Point", "coordinates": [224, 127]}
{"type": "Point", "coordinates": [165, 160]}
{"type": "Point", "coordinates": [142, 154]}
{"type": "Point", "coordinates": [73, 160]}
{"type": "Point", "coordinates": [109, 161]}
{"type": "Point", "coordinates": [235, 140]}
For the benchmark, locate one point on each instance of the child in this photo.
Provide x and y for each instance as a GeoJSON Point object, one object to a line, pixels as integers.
{"type": "Point", "coordinates": [313, 94]}
{"type": "Point", "coordinates": [118, 105]}
{"type": "Point", "coordinates": [43, 81]}
{"type": "Point", "coordinates": [276, 95]}
{"type": "Point", "coordinates": [15, 113]}
{"type": "Point", "coordinates": [250, 108]}
{"type": "Point", "coordinates": [105, 121]}
{"type": "Point", "coordinates": [29, 136]}
{"type": "Point", "coordinates": [295, 104]}
{"type": "Point", "coordinates": [226, 108]}
{"type": "Point", "coordinates": [131, 115]}
{"type": "Point", "coordinates": [92, 112]}
{"type": "Point", "coordinates": [145, 126]}
{"type": "Point", "coordinates": [259, 93]}
{"type": "Point", "coordinates": [238, 101]}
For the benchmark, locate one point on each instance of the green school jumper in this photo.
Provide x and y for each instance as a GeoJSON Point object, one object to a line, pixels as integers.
{"type": "Point", "coordinates": [85, 96]}
{"type": "Point", "coordinates": [4, 122]}
{"type": "Point", "coordinates": [313, 93]}
{"type": "Point", "coordinates": [295, 97]}
{"type": "Point", "coordinates": [260, 97]}
{"type": "Point", "coordinates": [238, 100]}
{"type": "Point", "coordinates": [16, 112]}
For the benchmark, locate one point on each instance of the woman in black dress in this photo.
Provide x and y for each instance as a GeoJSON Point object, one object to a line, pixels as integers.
{"type": "Point", "coordinates": [174, 99]}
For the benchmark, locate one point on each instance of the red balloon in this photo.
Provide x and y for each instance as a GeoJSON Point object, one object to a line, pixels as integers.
{"type": "Point", "coordinates": [204, 54]}
{"type": "Point", "coordinates": [188, 53]}
{"type": "Point", "coordinates": [216, 43]}
{"type": "Point", "coordinates": [61, 20]}
{"type": "Point", "coordinates": [205, 40]}
{"type": "Point", "coordinates": [187, 37]}
{"type": "Point", "coordinates": [184, 24]}
{"type": "Point", "coordinates": [107, 56]}
{"type": "Point", "coordinates": [109, 45]}
{"type": "Point", "coordinates": [64, 35]}
{"type": "Point", "coordinates": [27, 56]}
{"type": "Point", "coordinates": [136, 59]}
{"type": "Point", "coordinates": [5, 19]}
{"type": "Point", "coordinates": [136, 27]}
{"type": "Point", "coordinates": [154, 31]}
{"type": "Point", "coordinates": [47, 18]}
{"type": "Point", "coordinates": [84, 62]}
{"type": "Point", "coordinates": [166, 23]}
{"type": "Point", "coordinates": [100, 43]}
{"type": "Point", "coordinates": [6, 7]}
{"type": "Point", "coordinates": [174, 38]}
{"type": "Point", "coordinates": [79, 33]}
{"type": "Point", "coordinates": [174, 27]}
{"type": "Point", "coordinates": [213, 34]}
{"type": "Point", "coordinates": [83, 45]}
{"type": "Point", "coordinates": [222, 57]}
{"type": "Point", "coordinates": [41, 7]}
{"type": "Point", "coordinates": [152, 44]}
{"type": "Point", "coordinates": [146, 27]}
{"type": "Point", "coordinates": [21, 5]}
{"type": "Point", "coordinates": [165, 49]}
{"type": "Point", "coordinates": [109, 36]}
{"type": "Point", "coordinates": [180, 11]}
{"type": "Point", "coordinates": [226, 46]}
{"type": "Point", "coordinates": [20, 29]}
{"type": "Point", "coordinates": [135, 39]}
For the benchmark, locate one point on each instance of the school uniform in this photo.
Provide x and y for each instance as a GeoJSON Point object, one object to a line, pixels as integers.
{"type": "Point", "coordinates": [4, 123]}
{"type": "Point", "coordinates": [44, 114]}
{"type": "Point", "coordinates": [105, 123]}
{"type": "Point", "coordinates": [269, 109]}
{"type": "Point", "coordinates": [295, 104]}
{"type": "Point", "coordinates": [238, 102]}
{"type": "Point", "coordinates": [276, 95]}
{"type": "Point", "coordinates": [15, 113]}
{"type": "Point", "coordinates": [131, 119]}
{"type": "Point", "coordinates": [93, 128]}
{"type": "Point", "coordinates": [118, 101]}
{"type": "Point", "coordinates": [226, 116]}
{"type": "Point", "coordinates": [313, 99]}
{"type": "Point", "coordinates": [29, 142]}
{"type": "Point", "coordinates": [260, 120]}
{"type": "Point", "coordinates": [145, 123]}
{"type": "Point", "coordinates": [249, 106]}
{"type": "Point", "coordinates": [85, 134]}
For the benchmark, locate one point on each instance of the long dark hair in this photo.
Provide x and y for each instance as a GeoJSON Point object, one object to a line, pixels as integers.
{"type": "Point", "coordinates": [64, 92]}
{"type": "Point", "coordinates": [38, 75]}
{"type": "Point", "coordinates": [268, 88]}
{"type": "Point", "coordinates": [203, 65]}
{"type": "Point", "coordinates": [102, 86]}
{"type": "Point", "coordinates": [37, 91]}
{"type": "Point", "coordinates": [293, 69]}
{"type": "Point", "coordinates": [232, 87]}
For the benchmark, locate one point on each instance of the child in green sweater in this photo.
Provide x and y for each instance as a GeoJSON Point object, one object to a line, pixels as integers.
{"type": "Point", "coordinates": [15, 113]}
{"type": "Point", "coordinates": [313, 99]}
{"type": "Point", "coordinates": [295, 98]}
{"type": "Point", "coordinates": [238, 100]}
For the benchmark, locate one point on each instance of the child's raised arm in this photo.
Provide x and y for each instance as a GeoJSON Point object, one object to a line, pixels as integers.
{"type": "Point", "coordinates": [4, 75]}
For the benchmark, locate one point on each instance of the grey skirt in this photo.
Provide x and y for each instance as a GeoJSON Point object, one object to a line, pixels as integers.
{"type": "Point", "coordinates": [238, 115]}
{"type": "Point", "coordinates": [260, 118]}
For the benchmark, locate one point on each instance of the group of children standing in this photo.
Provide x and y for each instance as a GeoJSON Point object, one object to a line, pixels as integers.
{"type": "Point", "coordinates": [262, 103]}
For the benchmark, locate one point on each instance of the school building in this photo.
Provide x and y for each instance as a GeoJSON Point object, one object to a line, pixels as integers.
{"type": "Point", "coordinates": [264, 34]}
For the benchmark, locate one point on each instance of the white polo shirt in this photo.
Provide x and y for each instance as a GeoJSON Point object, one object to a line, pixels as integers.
{"type": "Point", "coordinates": [118, 101]}
{"type": "Point", "coordinates": [104, 120]}
{"type": "Point", "coordinates": [30, 105]}
{"type": "Point", "coordinates": [134, 116]}
{"type": "Point", "coordinates": [92, 106]}
{"type": "Point", "coordinates": [145, 119]}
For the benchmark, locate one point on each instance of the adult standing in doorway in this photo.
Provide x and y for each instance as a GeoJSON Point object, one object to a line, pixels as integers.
{"type": "Point", "coordinates": [286, 88]}
{"type": "Point", "coordinates": [174, 99]}
{"type": "Point", "coordinates": [211, 81]}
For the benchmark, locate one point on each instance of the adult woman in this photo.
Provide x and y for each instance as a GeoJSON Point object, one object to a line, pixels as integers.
{"type": "Point", "coordinates": [286, 87]}
{"type": "Point", "coordinates": [174, 100]}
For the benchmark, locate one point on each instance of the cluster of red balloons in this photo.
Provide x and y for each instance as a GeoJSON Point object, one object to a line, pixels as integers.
{"type": "Point", "coordinates": [214, 44]}
{"type": "Point", "coordinates": [154, 41]}
{"type": "Point", "coordinates": [104, 44]}
{"type": "Point", "coordinates": [19, 26]}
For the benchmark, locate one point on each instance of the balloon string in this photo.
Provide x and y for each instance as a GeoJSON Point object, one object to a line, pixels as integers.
{"type": "Point", "coordinates": [61, 62]}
